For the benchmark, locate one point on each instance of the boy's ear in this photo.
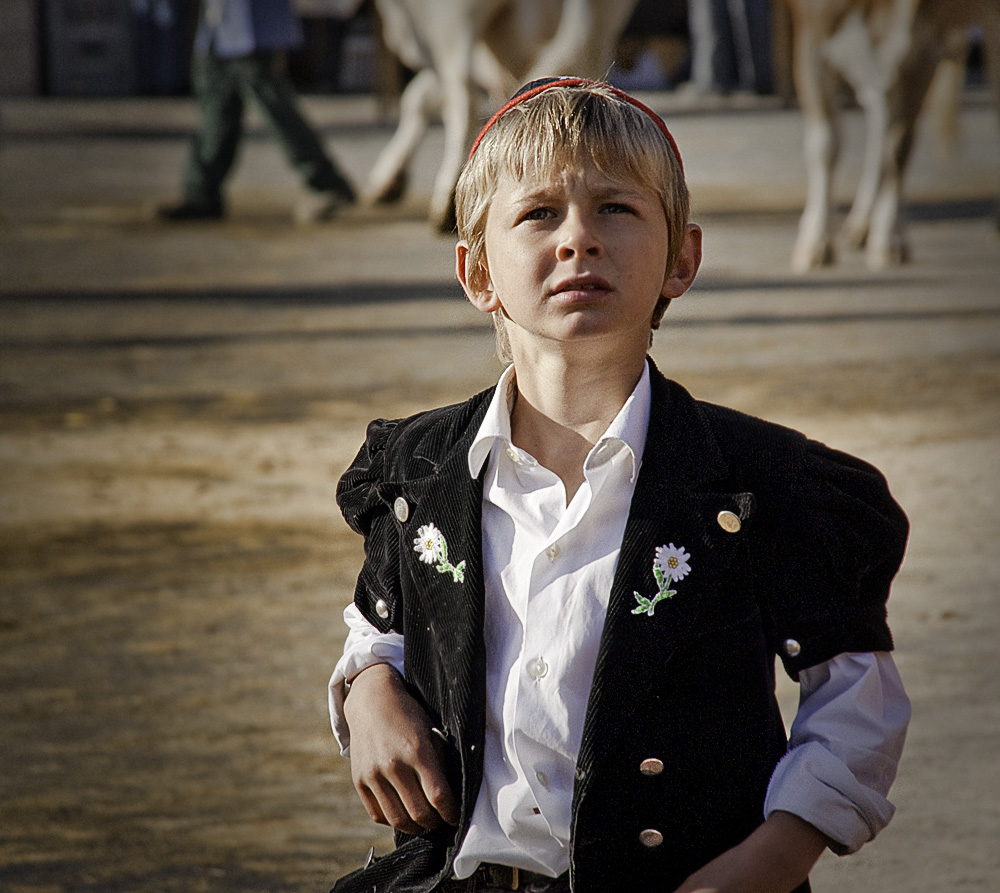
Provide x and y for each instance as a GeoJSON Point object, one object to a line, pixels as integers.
{"type": "Point", "coordinates": [482, 297]}
{"type": "Point", "coordinates": [679, 279]}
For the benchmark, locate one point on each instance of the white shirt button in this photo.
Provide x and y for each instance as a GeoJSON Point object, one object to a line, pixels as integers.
{"type": "Point", "coordinates": [543, 779]}
{"type": "Point", "coordinates": [553, 551]}
{"type": "Point", "coordinates": [513, 455]}
{"type": "Point", "coordinates": [537, 668]}
{"type": "Point", "coordinates": [401, 509]}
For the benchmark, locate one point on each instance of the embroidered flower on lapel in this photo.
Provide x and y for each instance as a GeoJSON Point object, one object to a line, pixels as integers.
{"type": "Point", "coordinates": [670, 565]}
{"type": "Point", "coordinates": [431, 547]}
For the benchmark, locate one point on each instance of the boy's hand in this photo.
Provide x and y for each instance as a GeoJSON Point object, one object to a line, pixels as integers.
{"type": "Point", "coordinates": [396, 761]}
{"type": "Point", "coordinates": [776, 858]}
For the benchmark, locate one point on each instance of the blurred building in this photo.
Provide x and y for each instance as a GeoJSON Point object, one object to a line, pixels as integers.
{"type": "Point", "coordinates": [143, 47]}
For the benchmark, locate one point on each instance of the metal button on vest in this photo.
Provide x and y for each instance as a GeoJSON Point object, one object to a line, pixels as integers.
{"type": "Point", "coordinates": [537, 668]}
{"type": "Point", "coordinates": [729, 522]}
{"type": "Point", "coordinates": [381, 608]}
{"type": "Point", "coordinates": [401, 509]}
{"type": "Point", "coordinates": [792, 648]}
{"type": "Point", "coordinates": [650, 837]}
{"type": "Point", "coordinates": [652, 766]}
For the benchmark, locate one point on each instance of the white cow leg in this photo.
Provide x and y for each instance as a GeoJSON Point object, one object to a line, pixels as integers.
{"type": "Point", "coordinates": [814, 245]}
{"type": "Point", "coordinates": [814, 85]}
{"type": "Point", "coordinates": [457, 115]}
{"type": "Point", "coordinates": [421, 100]}
{"type": "Point", "coordinates": [887, 243]}
{"type": "Point", "coordinates": [873, 103]}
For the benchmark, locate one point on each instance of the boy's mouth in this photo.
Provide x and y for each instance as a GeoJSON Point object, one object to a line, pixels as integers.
{"type": "Point", "coordinates": [582, 283]}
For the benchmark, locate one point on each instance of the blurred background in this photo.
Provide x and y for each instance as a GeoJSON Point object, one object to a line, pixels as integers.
{"type": "Point", "coordinates": [143, 48]}
{"type": "Point", "coordinates": [179, 399]}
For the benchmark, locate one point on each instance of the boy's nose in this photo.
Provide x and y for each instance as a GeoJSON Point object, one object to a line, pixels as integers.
{"type": "Point", "coordinates": [577, 237]}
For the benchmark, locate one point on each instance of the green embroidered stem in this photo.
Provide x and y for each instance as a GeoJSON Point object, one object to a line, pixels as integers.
{"type": "Point", "coordinates": [457, 571]}
{"type": "Point", "coordinates": [648, 605]}
{"type": "Point", "coordinates": [660, 583]}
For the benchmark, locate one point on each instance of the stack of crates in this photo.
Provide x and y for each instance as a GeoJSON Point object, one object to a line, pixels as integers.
{"type": "Point", "coordinates": [91, 48]}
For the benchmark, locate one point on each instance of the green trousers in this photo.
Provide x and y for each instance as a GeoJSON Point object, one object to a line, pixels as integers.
{"type": "Point", "coordinates": [222, 87]}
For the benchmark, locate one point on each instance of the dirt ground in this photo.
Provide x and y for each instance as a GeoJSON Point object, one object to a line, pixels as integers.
{"type": "Point", "coordinates": [176, 406]}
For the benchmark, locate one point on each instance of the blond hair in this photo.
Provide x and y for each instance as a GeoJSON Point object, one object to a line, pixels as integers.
{"type": "Point", "coordinates": [555, 128]}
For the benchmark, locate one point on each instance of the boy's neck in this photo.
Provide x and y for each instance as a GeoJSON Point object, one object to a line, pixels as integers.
{"type": "Point", "coordinates": [562, 409]}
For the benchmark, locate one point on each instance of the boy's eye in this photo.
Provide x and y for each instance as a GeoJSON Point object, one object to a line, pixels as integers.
{"type": "Point", "coordinates": [537, 214]}
{"type": "Point", "coordinates": [617, 208]}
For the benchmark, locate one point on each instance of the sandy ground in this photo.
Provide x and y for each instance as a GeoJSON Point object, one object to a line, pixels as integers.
{"type": "Point", "coordinates": [176, 406]}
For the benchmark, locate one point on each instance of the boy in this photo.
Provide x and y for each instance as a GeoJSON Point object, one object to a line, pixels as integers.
{"type": "Point", "coordinates": [560, 667]}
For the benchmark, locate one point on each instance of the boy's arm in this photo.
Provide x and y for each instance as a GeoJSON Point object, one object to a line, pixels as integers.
{"type": "Point", "coordinates": [396, 760]}
{"type": "Point", "coordinates": [844, 749]}
{"type": "Point", "coordinates": [364, 647]}
{"type": "Point", "coordinates": [845, 745]}
{"type": "Point", "coordinates": [776, 858]}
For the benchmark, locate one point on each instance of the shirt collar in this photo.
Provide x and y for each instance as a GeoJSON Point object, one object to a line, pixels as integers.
{"type": "Point", "coordinates": [627, 430]}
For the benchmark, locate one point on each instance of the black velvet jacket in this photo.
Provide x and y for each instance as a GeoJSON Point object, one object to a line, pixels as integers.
{"type": "Point", "coordinates": [805, 577]}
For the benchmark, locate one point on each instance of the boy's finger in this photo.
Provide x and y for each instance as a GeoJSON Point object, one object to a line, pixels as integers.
{"type": "Point", "coordinates": [397, 813]}
{"type": "Point", "coordinates": [370, 803]}
{"type": "Point", "coordinates": [439, 795]}
{"type": "Point", "coordinates": [434, 781]}
{"type": "Point", "coordinates": [412, 791]}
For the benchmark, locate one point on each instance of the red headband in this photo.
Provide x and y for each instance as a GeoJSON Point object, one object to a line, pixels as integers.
{"type": "Point", "coordinates": [535, 87]}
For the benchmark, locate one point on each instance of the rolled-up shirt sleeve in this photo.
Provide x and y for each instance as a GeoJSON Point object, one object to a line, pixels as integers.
{"type": "Point", "coordinates": [844, 749]}
{"type": "Point", "coordinates": [364, 647]}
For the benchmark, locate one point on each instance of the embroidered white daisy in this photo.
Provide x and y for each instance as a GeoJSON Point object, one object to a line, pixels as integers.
{"type": "Point", "coordinates": [673, 562]}
{"type": "Point", "coordinates": [428, 544]}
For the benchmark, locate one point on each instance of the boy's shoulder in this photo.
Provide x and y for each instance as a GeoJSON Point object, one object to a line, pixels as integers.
{"type": "Point", "coordinates": [739, 435]}
{"type": "Point", "coordinates": [745, 437]}
{"type": "Point", "coordinates": [768, 456]}
{"type": "Point", "coordinates": [442, 422]}
{"type": "Point", "coordinates": [431, 433]}
{"type": "Point", "coordinates": [405, 449]}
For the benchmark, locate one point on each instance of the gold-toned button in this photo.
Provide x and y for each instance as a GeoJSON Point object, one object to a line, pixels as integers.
{"type": "Point", "coordinates": [650, 837]}
{"type": "Point", "coordinates": [381, 608]}
{"type": "Point", "coordinates": [401, 509]}
{"type": "Point", "coordinates": [652, 766]}
{"type": "Point", "coordinates": [729, 522]}
{"type": "Point", "coordinates": [792, 648]}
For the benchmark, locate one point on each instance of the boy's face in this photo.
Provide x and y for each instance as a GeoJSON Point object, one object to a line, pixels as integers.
{"type": "Point", "coordinates": [573, 258]}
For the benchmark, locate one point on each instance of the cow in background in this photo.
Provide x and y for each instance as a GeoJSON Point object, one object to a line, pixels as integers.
{"type": "Point", "coordinates": [888, 52]}
{"type": "Point", "coordinates": [461, 47]}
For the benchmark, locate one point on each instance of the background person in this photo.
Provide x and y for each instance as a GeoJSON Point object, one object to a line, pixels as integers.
{"type": "Point", "coordinates": [240, 54]}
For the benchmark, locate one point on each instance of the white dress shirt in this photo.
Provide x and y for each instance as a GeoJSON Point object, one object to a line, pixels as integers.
{"type": "Point", "coordinates": [548, 570]}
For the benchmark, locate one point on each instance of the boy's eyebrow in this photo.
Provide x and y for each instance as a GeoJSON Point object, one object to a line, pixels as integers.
{"type": "Point", "coordinates": [546, 191]}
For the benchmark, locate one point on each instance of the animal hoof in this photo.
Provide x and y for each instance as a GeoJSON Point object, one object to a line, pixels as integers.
{"type": "Point", "coordinates": [393, 191]}
{"type": "Point", "coordinates": [894, 256]}
{"type": "Point", "coordinates": [812, 257]}
{"type": "Point", "coordinates": [855, 237]}
{"type": "Point", "coordinates": [445, 221]}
